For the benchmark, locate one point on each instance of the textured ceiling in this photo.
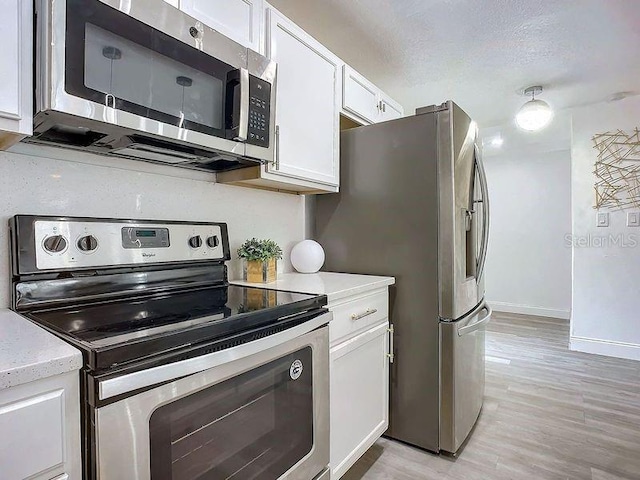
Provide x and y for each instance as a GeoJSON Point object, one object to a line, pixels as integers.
{"type": "Point", "coordinates": [482, 53]}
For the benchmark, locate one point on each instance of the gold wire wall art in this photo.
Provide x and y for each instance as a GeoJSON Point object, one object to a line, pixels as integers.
{"type": "Point", "coordinates": [617, 169]}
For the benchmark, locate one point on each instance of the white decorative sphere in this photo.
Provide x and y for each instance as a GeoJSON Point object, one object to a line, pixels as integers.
{"type": "Point", "coordinates": [307, 256]}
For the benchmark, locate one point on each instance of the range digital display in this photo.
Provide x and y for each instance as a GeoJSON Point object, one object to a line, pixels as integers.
{"type": "Point", "coordinates": [135, 237]}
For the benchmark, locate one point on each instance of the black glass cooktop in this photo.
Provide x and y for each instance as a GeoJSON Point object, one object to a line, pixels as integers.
{"type": "Point", "coordinates": [122, 331]}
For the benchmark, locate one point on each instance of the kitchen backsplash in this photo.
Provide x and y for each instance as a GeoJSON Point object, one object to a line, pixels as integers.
{"type": "Point", "coordinates": [40, 180]}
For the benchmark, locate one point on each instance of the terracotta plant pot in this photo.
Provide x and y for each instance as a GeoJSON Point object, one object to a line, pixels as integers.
{"type": "Point", "coordinates": [256, 271]}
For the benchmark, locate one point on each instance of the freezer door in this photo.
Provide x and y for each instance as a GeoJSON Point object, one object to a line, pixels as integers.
{"type": "Point", "coordinates": [463, 214]}
{"type": "Point", "coordinates": [462, 371]}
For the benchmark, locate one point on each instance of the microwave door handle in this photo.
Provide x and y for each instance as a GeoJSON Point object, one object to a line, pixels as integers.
{"type": "Point", "coordinates": [243, 125]}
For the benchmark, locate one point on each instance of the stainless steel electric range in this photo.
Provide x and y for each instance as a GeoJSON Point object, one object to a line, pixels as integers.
{"type": "Point", "coordinates": [185, 377]}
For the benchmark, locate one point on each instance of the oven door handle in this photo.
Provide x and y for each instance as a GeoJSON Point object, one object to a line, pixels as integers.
{"type": "Point", "coordinates": [164, 373]}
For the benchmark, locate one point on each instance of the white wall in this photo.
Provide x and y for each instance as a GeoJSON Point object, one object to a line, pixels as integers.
{"type": "Point", "coordinates": [606, 286]}
{"type": "Point", "coordinates": [528, 262]}
{"type": "Point", "coordinates": [32, 183]}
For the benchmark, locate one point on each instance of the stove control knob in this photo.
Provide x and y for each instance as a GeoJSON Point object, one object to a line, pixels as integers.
{"type": "Point", "coordinates": [195, 242]}
{"type": "Point", "coordinates": [87, 243]}
{"type": "Point", "coordinates": [55, 243]}
{"type": "Point", "coordinates": [213, 241]}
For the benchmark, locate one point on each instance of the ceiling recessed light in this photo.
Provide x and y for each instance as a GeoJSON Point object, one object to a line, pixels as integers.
{"type": "Point", "coordinates": [535, 114]}
{"type": "Point", "coordinates": [497, 141]}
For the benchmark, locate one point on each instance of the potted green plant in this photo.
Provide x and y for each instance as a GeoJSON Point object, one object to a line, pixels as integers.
{"type": "Point", "coordinates": [260, 260]}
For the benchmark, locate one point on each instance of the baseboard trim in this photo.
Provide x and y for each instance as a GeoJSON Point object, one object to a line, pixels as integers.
{"type": "Point", "coordinates": [529, 310]}
{"type": "Point", "coordinates": [608, 348]}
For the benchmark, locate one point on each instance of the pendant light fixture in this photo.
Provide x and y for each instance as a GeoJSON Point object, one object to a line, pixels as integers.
{"type": "Point", "coordinates": [535, 114]}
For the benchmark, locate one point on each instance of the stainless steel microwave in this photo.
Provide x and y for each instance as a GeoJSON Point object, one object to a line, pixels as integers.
{"type": "Point", "coordinates": [141, 79]}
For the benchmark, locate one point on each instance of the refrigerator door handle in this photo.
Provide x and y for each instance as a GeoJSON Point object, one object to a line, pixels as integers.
{"type": "Point", "coordinates": [485, 213]}
{"type": "Point", "coordinates": [472, 327]}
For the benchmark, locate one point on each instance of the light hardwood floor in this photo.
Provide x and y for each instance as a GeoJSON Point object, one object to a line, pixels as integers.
{"type": "Point", "coordinates": [549, 413]}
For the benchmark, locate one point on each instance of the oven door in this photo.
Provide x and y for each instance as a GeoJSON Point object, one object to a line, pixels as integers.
{"type": "Point", "coordinates": [261, 412]}
{"type": "Point", "coordinates": [143, 65]}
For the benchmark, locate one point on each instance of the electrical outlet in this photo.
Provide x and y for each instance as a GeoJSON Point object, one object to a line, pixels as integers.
{"type": "Point", "coordinates": [633, 219]}
{"type": "Point", "coordinates": [602, 219]}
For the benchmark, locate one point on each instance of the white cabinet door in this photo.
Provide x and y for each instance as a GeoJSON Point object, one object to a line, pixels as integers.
{"type": "Point", "coordinates": [240, 20]}
{"type": "Point", "coordinates": [359, 395]}
{"type": "Point", "coordinates": [21, 420]}
{"type": "Point", "coordinates": [390, 108]}
{"type": "Point", "coordinates": [42, 420]}
{"type": "Point", "coordinates": [307, 112]}
{"type": "Point", "coordinates": [16, 58]}
{"type": "Point", "coordinates": [359, 96]}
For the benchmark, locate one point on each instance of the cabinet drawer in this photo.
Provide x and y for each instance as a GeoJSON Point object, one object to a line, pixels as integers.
{"type": "Point", "coordinates": [36, 425]}
{"type": "Point", "coordinates": [355, 316]}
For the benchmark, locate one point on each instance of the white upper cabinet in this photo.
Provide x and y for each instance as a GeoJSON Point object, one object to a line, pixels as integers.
{"type": "Point", "coordinates": [16, 58]}
{"type": "Point", "coordinates": [240, 20]}
{"type": "Point", "coordinates": [364, 102]}
{"type": "Point", "coordinates": [390, 108]}
{"type": "Point", "coordinates": [307, 112]}
{"type": "Point", "coordinates": [360, 96]}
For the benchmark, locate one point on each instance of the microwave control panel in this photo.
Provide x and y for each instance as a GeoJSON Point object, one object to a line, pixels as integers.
{"type": "Point", "coordinates": [259, 111]}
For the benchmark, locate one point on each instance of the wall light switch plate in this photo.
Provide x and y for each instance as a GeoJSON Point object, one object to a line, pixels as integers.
{"type": "Point", "coordinates": [602, 219]}
{"type": "Point", "coordinates": [633, 219]}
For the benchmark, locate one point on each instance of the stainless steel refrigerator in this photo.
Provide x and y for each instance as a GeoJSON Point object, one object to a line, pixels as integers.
{"type": "Point", "coordinates": [413, 204]}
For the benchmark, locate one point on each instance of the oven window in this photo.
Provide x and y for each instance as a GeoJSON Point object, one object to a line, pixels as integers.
{"type": "Point", "coordinates": [256, 425]}
{"type": "Point", "coordinates": [115, 60]}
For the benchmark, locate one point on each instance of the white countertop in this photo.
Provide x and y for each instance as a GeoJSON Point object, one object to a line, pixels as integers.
{"type": "Point", "coordinates": [334, 285]}
{"type": "Point", "coordinates": [28, 352]}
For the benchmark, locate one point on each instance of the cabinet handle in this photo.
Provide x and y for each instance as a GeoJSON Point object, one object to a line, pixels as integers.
{"type": "Point", "coordinates": [384, 106]}
{"type": "Point", "coordinates": [391, 355]}
{"type": "Point", "coordinates": [358, 316]}
{"type": "Point", "coordinates": [277, 148]}
{"type": "Point", "coordinates": [380, 106]}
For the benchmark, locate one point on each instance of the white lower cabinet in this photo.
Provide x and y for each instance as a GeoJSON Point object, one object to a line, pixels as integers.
{"type": "Point", "coordinates": [359, 396]}
{"type": "Point", "coordinates": [359, 372]}
{"type": "Point", "coordinates": [40, 422]}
